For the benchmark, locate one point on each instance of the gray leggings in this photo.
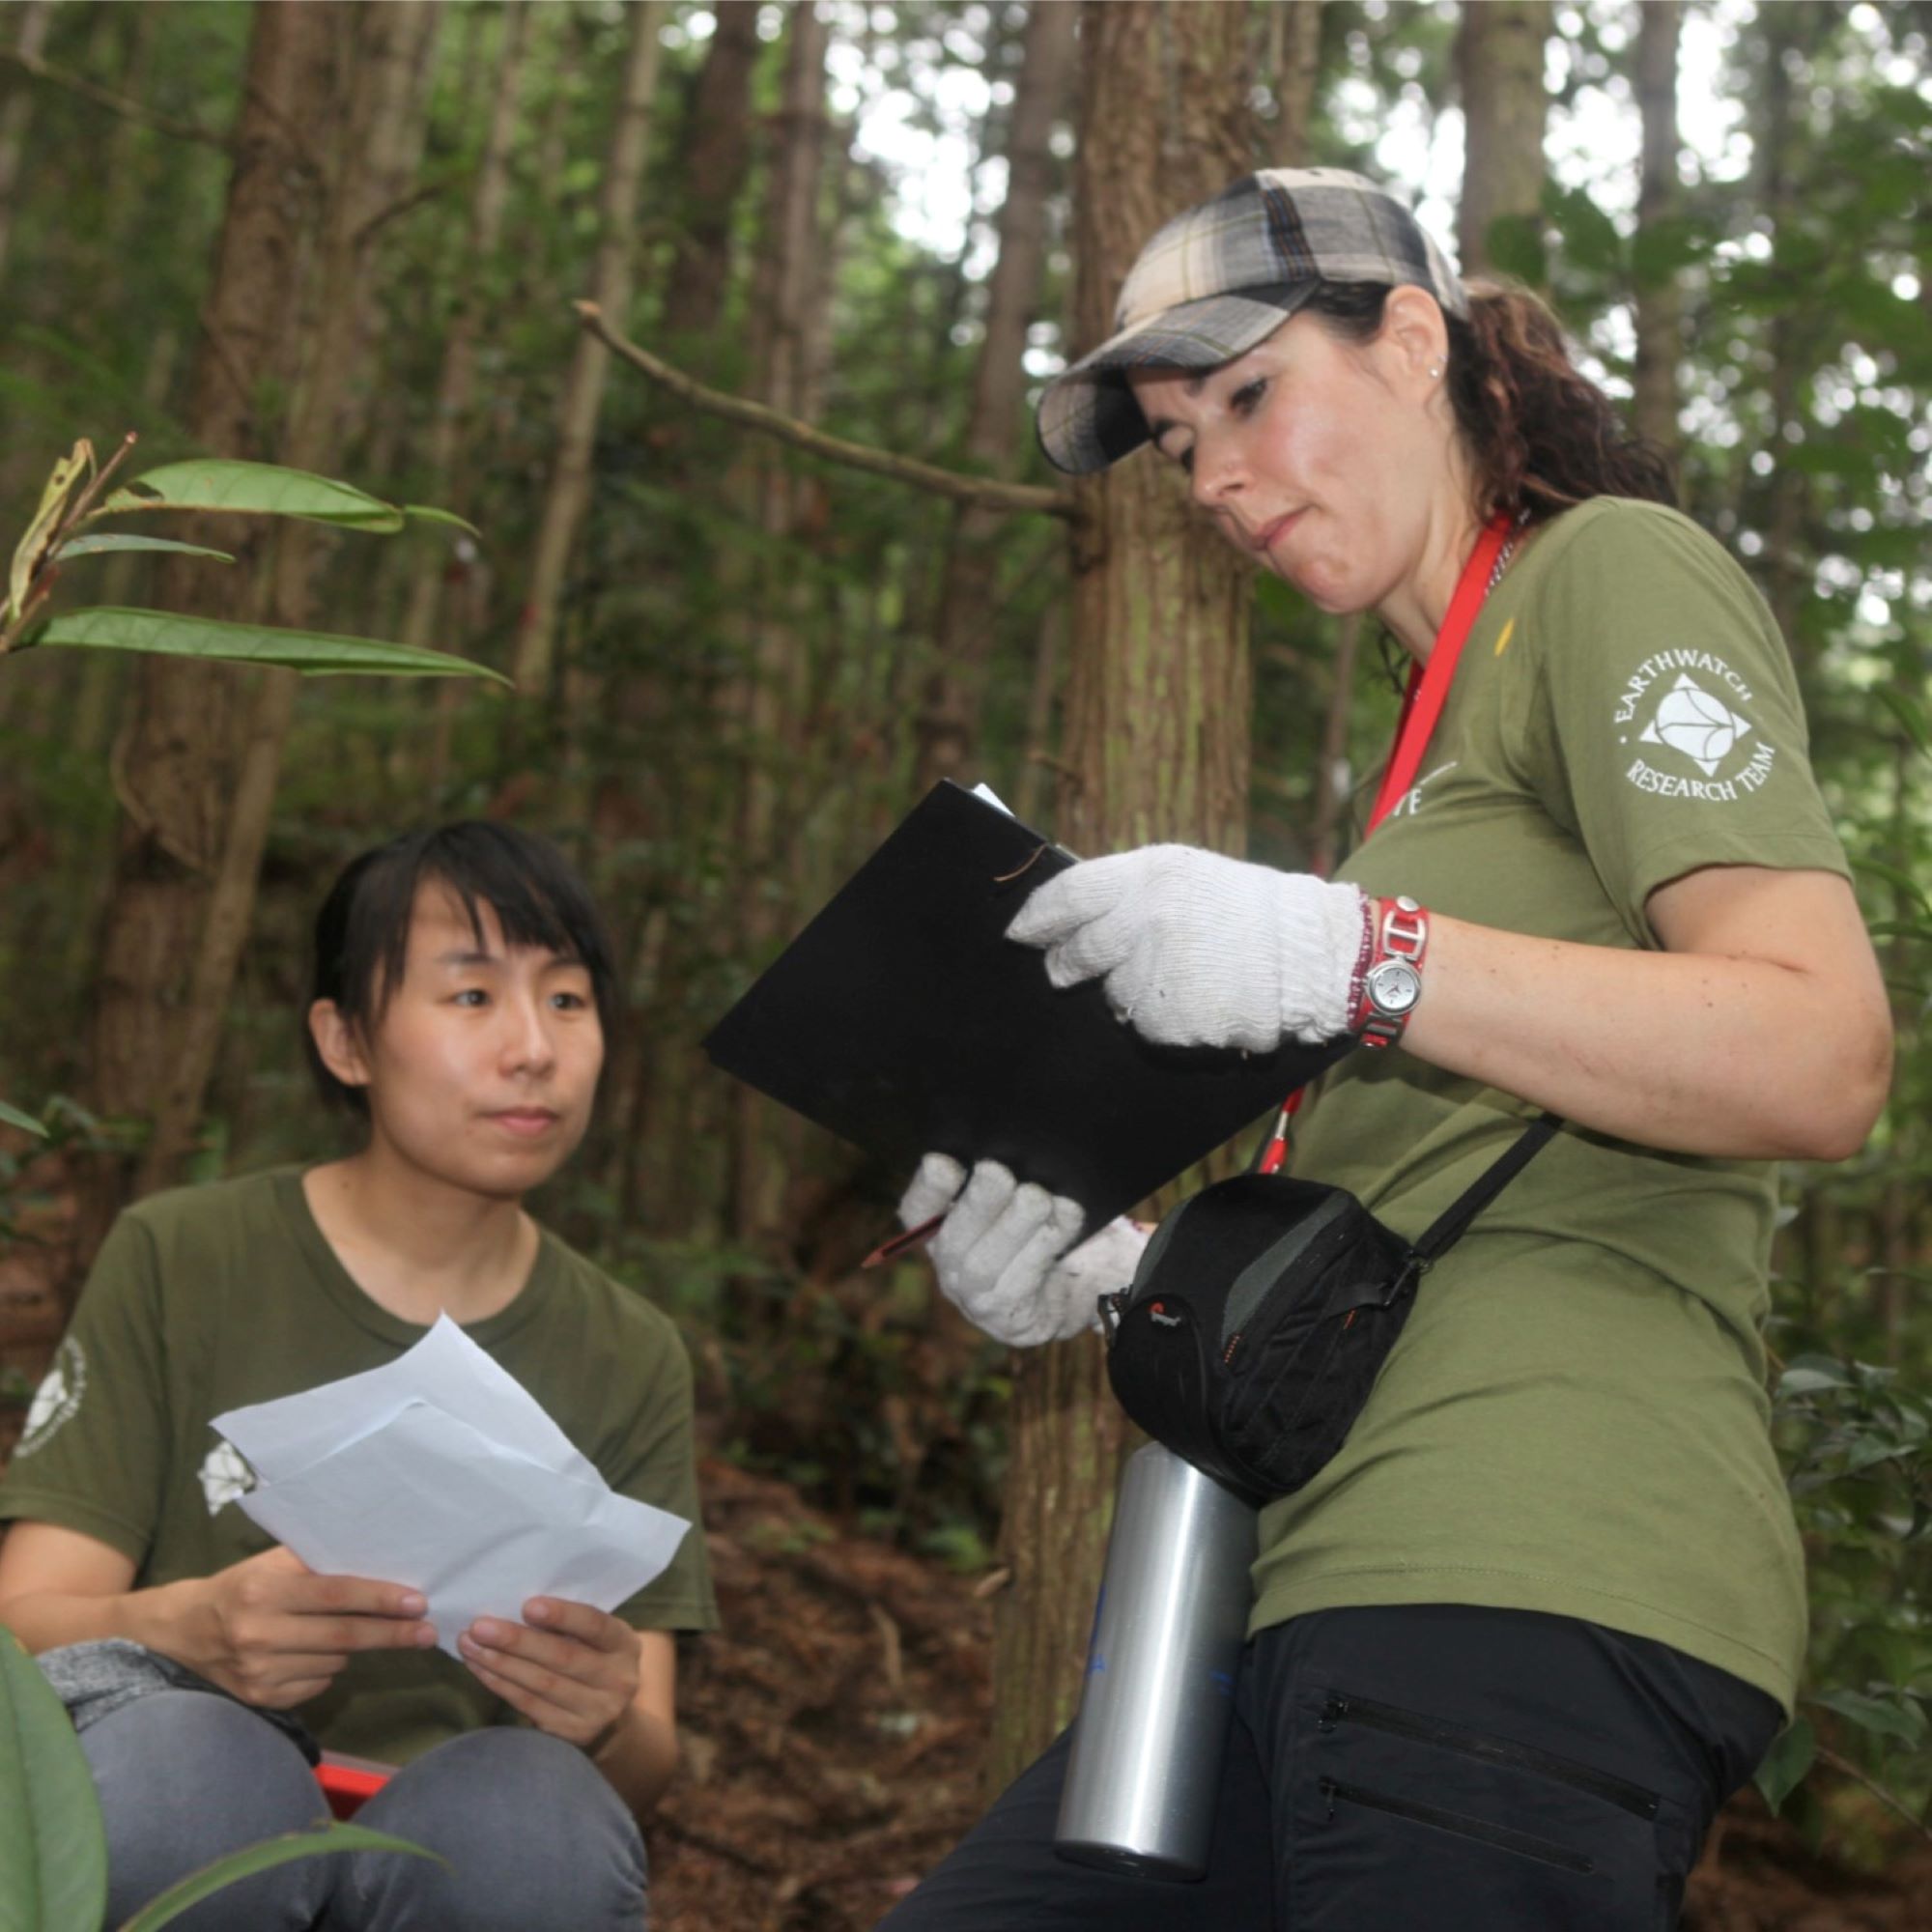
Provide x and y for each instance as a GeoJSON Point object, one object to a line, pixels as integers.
{"type": "Point", "coordinates": [533, 1835]}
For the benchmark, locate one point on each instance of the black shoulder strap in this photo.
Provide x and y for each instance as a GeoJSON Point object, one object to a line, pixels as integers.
{"type": "Point", "coordinates": [1450, 1226]}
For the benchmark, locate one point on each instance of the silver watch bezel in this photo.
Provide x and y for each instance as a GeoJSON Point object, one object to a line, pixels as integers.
{"type": "Point", "coordinates": [1393, 987]}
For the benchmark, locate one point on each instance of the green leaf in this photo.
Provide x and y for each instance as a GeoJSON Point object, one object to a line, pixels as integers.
{"type": "Point", "coordinates": [12, 1117]}
{"type": "Point", "coordinates": [1880, 1715]}
{"type": "Point", "coordinates": [1911, 715]}
{"type": "Point", "coordinates": [1806, 1374]}
{"type": "Point", "coordinates": [272, 1852]}
{"type": "Point", "coordinates": [1786, 1763]}
{"type": "Point", "coordinates": [53, 1854]}
{"type": "Point", "coordinates": [428, 512]}
{"type": "Point", "coordinates": [255, 489]}
{"type": "Point", "coordinates": [1891, 875]}
{"type": "Point", "coordinates": [108, 541]}
{"type": "Point", "coordinates": [315, 652]}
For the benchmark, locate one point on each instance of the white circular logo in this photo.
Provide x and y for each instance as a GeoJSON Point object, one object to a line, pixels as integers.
{"type": "Point", "coordinates": [1692, 714]}
{"type": "Point", "coordinates": [56, 1399]}
{"type": "Point", "coordinates": [224, 1476]}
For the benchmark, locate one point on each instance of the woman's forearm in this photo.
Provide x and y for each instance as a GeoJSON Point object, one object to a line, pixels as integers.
{"type": "Point", "coordinates": [1692, 1052]}
{"type": "Point", "coordinates": [638, 1759]}
{"type": "Point", "coordinates": [46, 1619]}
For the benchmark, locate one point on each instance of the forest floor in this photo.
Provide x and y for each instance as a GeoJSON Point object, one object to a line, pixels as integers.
{"type": "Point", "coordinates": [833, 1729]}
{"type": "Point", "coordinates": [833, 1746]}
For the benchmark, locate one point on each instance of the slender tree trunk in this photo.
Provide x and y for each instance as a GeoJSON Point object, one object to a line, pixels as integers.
{"type": "Point", "coordinates": [569, 492]}
{"type": "Point", "coordinates": [16, 108]}
{"type": "Point", "coordinates": [174, 766]}
{"type": "Point", "coordinates": [717, 158]}
{"type": "Point", "coordinates": [1291, 64]}
{"type": "Point", "coordinates": [375, 150]}
{"type": "Point", "coordinates": [1499, 52]}
{"type": "Point", "coordinates": [447, 481]}
{"type": "Point", "coordinates": [949, 723]}
{"type": "Point", "coordinates": [1156, 747]}
{"type": "Point", "coordinates": [788, 284]}
{"type": "Point", "coordinates": [1660, 303]}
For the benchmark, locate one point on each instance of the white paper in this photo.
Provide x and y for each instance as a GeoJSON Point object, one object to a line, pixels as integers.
{"type": "Point", "coordinates": [440, 1472]}
{"type": "Point", "coordinates": [986, 791]}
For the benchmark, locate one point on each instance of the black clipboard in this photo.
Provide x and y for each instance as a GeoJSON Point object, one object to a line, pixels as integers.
{"type": "Point", "coordinates": [904, 1020]}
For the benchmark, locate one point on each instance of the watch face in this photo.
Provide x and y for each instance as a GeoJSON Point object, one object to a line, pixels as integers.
{"type": "Point", "coordinates": [1394, 986]}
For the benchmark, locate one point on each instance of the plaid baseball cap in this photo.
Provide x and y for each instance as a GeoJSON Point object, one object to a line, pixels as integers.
{"type": "Point", "coordinates": [1215, 281]}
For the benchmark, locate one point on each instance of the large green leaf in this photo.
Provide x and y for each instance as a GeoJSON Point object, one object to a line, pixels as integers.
{"type": "Point", "coordinates": [428, 512]}
{"type": "Point", "coordinates": [255, 489]}
{"type": "Point", "coordinates": [270, 1852]}
{"type": "Point", "coordinates": [315, 652]}
{"type": "Point", "coordinates": [1786, 1762]}
{"type": "Point", "coordinates": [11, 1116]}
{"type": "Point", "coordinates": [1902, 1720]}
{"type": "Point", "coordinates": [112, 541]}
{"type": "Point", "coordinates": [53, 1855]}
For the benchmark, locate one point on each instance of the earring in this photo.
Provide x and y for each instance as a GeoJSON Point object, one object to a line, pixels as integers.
{"type": "Point", "coordinates": [1436, 372]}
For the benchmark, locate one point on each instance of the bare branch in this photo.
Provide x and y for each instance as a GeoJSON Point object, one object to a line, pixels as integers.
{"type": "Point", "coordinates": [122, 104]}
{"type": "Point", "coordinates": [1845, 1768]}
{"type": "Point", "coordinates": [988, 492]}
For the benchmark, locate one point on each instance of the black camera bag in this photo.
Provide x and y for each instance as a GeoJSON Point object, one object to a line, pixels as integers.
{"type": "Point", "coordinates": [1261, 1313]}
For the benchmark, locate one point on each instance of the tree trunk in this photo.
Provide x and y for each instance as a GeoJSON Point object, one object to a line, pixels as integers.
{"type": "Point", "coordinates": [788, 284]}
{"type": "Point", "coordinates": [1157, 747]}
{"type": "Point", "coordinates": [1660, 303]}
{"type": "Point", "coordinates": [16, 108]}
{"type": "Point", "coordinates": [1499, 54]}
{"type": "Point", "coordinates": [1291, 62]}
{"type": "Point", "coordinates": [717, 158]}
{"type": "Point", "coordinates": [448, 482]}
{"type": "Point", "coordinates": [174, 766]}
{"type": "Point", "coordinates": [569, 493]}
{"type": "Point", "coordinates": [949, 722]}
{"type": "Point", "coordinates": [373, 153]}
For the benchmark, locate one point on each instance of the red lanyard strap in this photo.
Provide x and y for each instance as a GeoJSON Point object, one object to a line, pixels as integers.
{"type": "Point", "coordinates": [1421, 706]}
{"type": "Point", "coordinates": [1429, 684]}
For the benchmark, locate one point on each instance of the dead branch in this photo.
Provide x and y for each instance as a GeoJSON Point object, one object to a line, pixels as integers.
{"type": "Point", "coordinates": [988, 492]}
{"type": "Point", "coordinates": [1845, 1768]}
{"type": "Point", "coordinates": [122, 104]}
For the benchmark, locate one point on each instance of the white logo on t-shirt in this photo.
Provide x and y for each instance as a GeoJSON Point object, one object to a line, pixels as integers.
{"type": "Point", "coordinates": [56, 1399]}
{"type": "Point", "coordinates": [1694, 721]}
{"type": "Point", "coordinates": [1410, 802]}
{"type": "Point", "coordinates": [224, 1476]}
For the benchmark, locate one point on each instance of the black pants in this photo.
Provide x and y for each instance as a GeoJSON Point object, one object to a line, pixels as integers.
{"type": "Point", "coordinates": [1434, 1769]}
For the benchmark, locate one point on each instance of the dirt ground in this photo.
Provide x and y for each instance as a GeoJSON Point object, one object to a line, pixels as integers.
{"type": "Point", "coordinates": [834, 1744]}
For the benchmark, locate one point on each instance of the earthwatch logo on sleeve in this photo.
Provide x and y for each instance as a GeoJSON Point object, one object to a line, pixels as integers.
{"type": "Point", "coordinates": [1684, 705]}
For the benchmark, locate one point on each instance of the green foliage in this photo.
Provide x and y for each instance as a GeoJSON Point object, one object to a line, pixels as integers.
{"type": "Point", "coordinates": [53, 1852]}
{"type": "Point", "coordinates": [1857, 1441]}
{"type": "Point", "coordinates": [158, 634]}
{"type": "Point", "coordinates": [53, 1856]}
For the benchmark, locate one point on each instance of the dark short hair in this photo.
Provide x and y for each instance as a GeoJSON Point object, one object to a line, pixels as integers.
{"type": "Point", "coordinates": [362, 931]}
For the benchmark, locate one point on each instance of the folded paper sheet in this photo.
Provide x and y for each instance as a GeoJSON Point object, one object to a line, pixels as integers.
{"type": "Point", "coordinates": [438, 1470]}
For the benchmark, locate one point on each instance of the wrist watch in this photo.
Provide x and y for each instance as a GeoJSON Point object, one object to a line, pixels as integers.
{"type": "Point", "coordinates": [1391, 984]}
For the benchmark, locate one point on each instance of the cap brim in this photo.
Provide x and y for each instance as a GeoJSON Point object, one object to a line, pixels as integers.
{"type": "Point", "coordinates": [1088, 416]}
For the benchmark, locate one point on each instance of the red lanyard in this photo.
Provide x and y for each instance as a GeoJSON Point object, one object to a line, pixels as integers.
{"type": "Point", "coordinates": [1429, 684]}
{"type": "Point", "coordinates": [1421, 706]}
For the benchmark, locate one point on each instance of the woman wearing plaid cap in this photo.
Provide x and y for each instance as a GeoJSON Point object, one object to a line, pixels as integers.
{"type": "Point", "coordinates": [1545, 1610]}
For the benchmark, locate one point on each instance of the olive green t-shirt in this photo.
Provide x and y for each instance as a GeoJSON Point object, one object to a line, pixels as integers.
{"type": "Point", "coordinates": [1573, 1420]}
{"type": "Point", "coordinates": [211, 1298]}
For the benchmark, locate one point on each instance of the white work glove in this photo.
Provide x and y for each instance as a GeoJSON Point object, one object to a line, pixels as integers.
{"type": "Point", "coordinates": [1195, 950]}
{"type": "Point", "coordinates": [1002, 1255]}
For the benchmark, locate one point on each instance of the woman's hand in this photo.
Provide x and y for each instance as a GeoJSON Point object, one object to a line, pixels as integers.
{"type": "Point", "coordinates": [1195, 949]}
{"type": "Point", "coordinates": [571, 1670]}
{"type": "Point", "coordinates": [1004, 1256]}
{"type": "Point", "coordinates": [274, 1634]}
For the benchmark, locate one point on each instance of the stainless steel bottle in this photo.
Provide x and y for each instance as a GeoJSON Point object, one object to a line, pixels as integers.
{"type": "Point", "coordinates": [1145, 1769]}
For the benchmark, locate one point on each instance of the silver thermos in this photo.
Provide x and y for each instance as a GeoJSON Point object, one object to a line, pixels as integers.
{"type": "Point", "coordinates": [1145, 1767]}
